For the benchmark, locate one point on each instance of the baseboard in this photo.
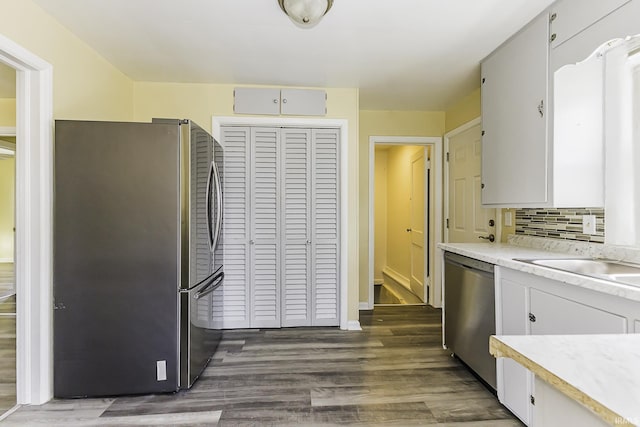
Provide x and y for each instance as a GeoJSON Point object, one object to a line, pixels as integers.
{"type": "Point", "coordinates": [353, 325]}
{"type": "Point", "coordinates": [3, 260]}
{"type": "Point", "coordinates": [379, 281]}
{"type": "Point", "coordinates": [364, 306]}
{"type": "Point", "coordinates": [396, 277]}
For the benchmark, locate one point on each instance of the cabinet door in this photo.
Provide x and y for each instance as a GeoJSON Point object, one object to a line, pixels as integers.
{"type": "Point", "coordinates": [514, 100]}
{"type": "Point", "coordinates": [325, 227]}
{"type": "Point", "coordinates": [232, 310]}
{"type": "Point", "coordinates": [554, 315]}
{"type": "Point", "coordinates": [251, 100]}
{"type": "Point", "coordinates": [296, 218]}
{"type": "Point", "coordinates": [514, 381]}
{"type": "Point", "coordinates": [265, 258]}
{"type": "Point", "coordinates": [569, 17]}
{"type": "Point", "coordinates": [303, 102]}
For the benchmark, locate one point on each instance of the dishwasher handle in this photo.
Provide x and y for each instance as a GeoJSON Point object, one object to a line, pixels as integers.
{"type": "Point", "coordinates": [470, 263]}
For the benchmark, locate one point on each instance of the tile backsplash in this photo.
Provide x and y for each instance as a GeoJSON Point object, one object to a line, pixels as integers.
{"type": "Point", "coordinates": [561, 223]}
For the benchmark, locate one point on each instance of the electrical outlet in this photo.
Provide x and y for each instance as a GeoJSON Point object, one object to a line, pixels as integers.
{"type": "Point", "coordinates": [589, 224]}
{"type": "Point", "coordinates": [508, 220]}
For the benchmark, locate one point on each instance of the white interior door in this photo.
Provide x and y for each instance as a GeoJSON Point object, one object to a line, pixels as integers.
{"type": "Point", "coordinates": [468, 220]}
{"type": "Point", "coordinates": [417, 231]}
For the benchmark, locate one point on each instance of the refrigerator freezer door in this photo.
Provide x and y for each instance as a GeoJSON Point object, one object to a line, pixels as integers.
{"type": "Point", "coordinates": [198, 341]}
{"type": "Point", "coordinates": [116, 252]}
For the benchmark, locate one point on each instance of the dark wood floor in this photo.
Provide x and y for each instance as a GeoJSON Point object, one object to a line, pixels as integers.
{"type": "Point", "coordinates": [7, 353]}
{"type": "Point", "coordinates": [393, 373]}
{"type": "Point", "coordinates": [7, 280]}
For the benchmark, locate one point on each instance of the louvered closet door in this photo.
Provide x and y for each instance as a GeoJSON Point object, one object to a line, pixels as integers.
{"type": "Point", "coordinates": [265, 236]}
{"type": "Point", "coordinates": [296, 227]}
{"type": "Point", "coordinates": [233, 311]}
{"type": "Point", "coordinates": [325, 228]}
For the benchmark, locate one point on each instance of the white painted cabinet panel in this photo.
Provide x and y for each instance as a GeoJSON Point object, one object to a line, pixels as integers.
{"type": "Point", "coordinates": [553, 315]}
{"type": "Point", "coordinates": [513, 379]}
{"type": "Point", "coordinates": [569, 17]}
{"type": "Point", "coordinates": [514, 124]}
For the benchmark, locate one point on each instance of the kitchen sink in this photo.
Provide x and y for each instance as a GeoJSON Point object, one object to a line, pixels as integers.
{"type": "Point", "coordinates": [599, 268]}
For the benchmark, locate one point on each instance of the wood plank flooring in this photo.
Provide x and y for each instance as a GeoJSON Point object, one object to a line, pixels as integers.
{"type": "Point", "coordinates": [7, 353]}
{"type": "Point", "coordinates": [7, 280]}
{"type": "Point", "coordinates": [393, 373]}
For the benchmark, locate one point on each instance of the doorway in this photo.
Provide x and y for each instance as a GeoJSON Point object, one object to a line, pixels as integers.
{"type": "Point", "coordinates": [8, 395]}
{"type": "Point", "coordinates": [403, 218]}
{"type": "Point", "coordinates": [466, 219]}
{"type": "Point", "coordinates": [33, 176]}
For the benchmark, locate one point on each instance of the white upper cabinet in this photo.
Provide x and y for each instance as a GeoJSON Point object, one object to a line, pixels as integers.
{"type": "Point", "coordinates": [514, 125]}
{"type": "Point", "coordinates": [543, 103]}
{"type": "Point", "coordinates": [570, 17]}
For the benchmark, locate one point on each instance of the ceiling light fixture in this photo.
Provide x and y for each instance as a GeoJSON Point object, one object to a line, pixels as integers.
{"type": "Point", "coordinates": [305, 13]}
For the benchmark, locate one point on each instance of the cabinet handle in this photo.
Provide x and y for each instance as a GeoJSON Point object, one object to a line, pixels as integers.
{"type": "Point", "coordinates": [541, 108]}
{"type": "Point", "coordinates": [532, 317]}
{"type": "Point", "coordinates": [275, 101]}
{"type": "Point", "coordinates": [284, 100]}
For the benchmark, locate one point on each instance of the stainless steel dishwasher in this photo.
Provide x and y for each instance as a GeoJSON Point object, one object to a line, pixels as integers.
{"type": "Point", "coordinates": [469, 313]}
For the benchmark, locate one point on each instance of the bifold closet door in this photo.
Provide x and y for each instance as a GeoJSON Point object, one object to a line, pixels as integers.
{"type": "Point", "coordinates": [233, 297]}
{"type": "Point", "coordinates": [325, 230]}
{"type": "Point", "coordinates": [296, 228]}
{"type": "Point", "coordinates": [264, 243]}
{"type": "Point", "coordinates": [281, 235]}
{"type": "Point", "coordinates": [310, 216]}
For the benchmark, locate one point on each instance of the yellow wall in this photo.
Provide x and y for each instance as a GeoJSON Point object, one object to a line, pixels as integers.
{"type": "Point", "coordinates": [202, 101]}
{"type": "Point", "coordinates": [7, 112]}
{"type": "Point", "coordinates": [380, 213]}
{"type": "Point", "coordinates": [399, 208]}
{"type": "Point", "coordinates": [7, 206]}
{"type": "Point", "coordinates": [386, 123]}
{"type": "Point", "coordinates": [85, 85]}
{"type": "Point", "coordinates": [463, 111]}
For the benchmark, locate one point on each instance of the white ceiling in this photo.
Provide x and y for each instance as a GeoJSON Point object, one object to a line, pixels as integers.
{"type": "Point", "coordinates": [402, 54]}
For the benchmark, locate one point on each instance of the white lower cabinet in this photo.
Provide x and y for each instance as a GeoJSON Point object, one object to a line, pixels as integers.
{"type": "Point", "coordinates": [553, 408]}
{"type": "Point", "coordinates": [533, 305]}
{"type": "Point", "coordinates": [281, 235]}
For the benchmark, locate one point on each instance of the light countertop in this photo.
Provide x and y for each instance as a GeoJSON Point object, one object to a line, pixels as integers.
{"type": "Point", "coordinates": [503, 254]}
{"type": "Point", "coordinates": [599, 371]}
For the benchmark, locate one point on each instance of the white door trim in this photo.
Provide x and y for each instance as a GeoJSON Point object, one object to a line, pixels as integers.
{"type": "Point", "coordinates": [218, 122]}
{"type": "Point", "coordinates": [34, 177]}
{"type": "Point", "coordinates": [447, 138]}
{"type": "Point", "coordinates": [432, 277]}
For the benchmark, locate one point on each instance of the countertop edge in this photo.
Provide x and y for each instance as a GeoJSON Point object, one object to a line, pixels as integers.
{"type": "Point", "coordinates": [497, 254]}
{"type": "Point", "coordinates": [498, 348]}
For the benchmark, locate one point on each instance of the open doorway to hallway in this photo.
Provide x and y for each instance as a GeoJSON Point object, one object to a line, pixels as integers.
{"type": "Point", "coordinates": [7, 238]}
{"type": "Point", "coordinates": [402, 199]}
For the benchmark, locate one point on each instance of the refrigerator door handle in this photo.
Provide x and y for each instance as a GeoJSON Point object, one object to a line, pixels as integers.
{"type": "Point", "coordinates": [208, 202]}
{"type": "Point", "coordinates": [212, 286]}
{"type": "Point", "coordinates": [216, 174]}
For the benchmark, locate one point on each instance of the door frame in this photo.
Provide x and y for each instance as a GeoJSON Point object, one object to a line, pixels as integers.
{"type": "Point", "coordinates": [434, 296]}
{"type": "Point", "coordinates": [33, 250]}
{"type": "Point", "coordinates": [343, 126]}
{"type": "Point", "coordinates": [447, 137]}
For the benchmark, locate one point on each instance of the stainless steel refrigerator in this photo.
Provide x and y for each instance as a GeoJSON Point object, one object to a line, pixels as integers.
{"type": "Point", "coordinates": [137, 221]}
